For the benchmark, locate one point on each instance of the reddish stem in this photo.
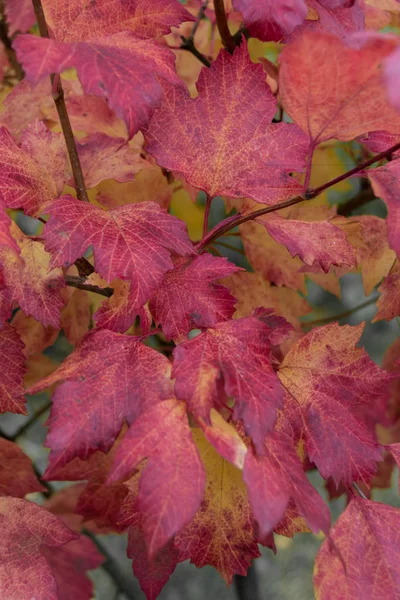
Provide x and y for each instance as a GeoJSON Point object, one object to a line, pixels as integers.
{"type": "Point", "coordinates": [206, 216]}
{"type": "Point", "coordinates": [222, 24]}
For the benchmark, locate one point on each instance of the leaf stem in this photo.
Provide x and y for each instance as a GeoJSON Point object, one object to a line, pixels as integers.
{"type": "Point", "coordinates": [222, 24]}
{"type": "Point", "coordinates": [80, 284]}
{"type": "Point", "coordinates": [359, 491]}
{"type": "Point", "coordinates": [188, 44]}
{"type": "Point", "coordinates": [206, 216]}
{"type": "Point", "coordinates": [59, 100]}
{"type": "Point", "coordinates": [231, 222]}
{"type": "Point", "coordinates": [342, 315]}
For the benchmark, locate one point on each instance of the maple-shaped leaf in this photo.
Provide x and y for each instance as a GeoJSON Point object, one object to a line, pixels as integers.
{"type": "Point", "coordinates": [389, 301]}
{"type": "Point", "coordinates": [277, 477]}
{"type": "Point", "coordinates": [103, 157]}
{"type": "Point", "coordinates": [120, 67]}
{"type": "Point", "coordinates": [385, 183]}
{"type": "Point", "coordinates": [360, 559]}
{"type": "Point", "coordinates": [17, 477]}
{"type": "Point", "coordinates": [318, 242]}
{"type": "Point", "coordinates": [330, 383]}
{"type": "Point", "coordinates": [30, 281]}
{"type": "Point", "coordinates": [346, 105]}
{"type": "Point", "coordinates": [20, 15]}
{"type": "Point", "coordinates": [34, 173]}
{"type": "Point", "coordinates": [12, 371]}
{"type": "Point", "coordinates": [82, 21]}
{"type": "Point", "coordinates": [35, 336]}
{"type": "Point", "coordinates": [219, 147]}
{"type": "Point", "coordinates": [270, 20]}
{"type": "Point", "coordinates": [188, 296]}
{"type": "Point", "coordinates": [239, 351]}
{"type": "Point", "coordinates": [251, 290]}
{"type": "Point", "coordinates": [172, 483]}
{"type": "Point", "coordinates": [107, 379]}
{"type": "Point", "coordinates": [132, 242]}
{"type": "Point", "coordinates": [24, 571]}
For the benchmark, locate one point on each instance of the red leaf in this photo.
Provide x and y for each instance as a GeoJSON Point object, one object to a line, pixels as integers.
{"type": "Point", "coordinates": [17, 477]}
{"type": "Point", "coordinates": [240, 352]}
{"type": "Point", "coordinates": [276, 478]}
{"type": "Point", "coordinates": [26, 528]}
{"type": "Point", "coordinates": [219, 147]}
{"type": "Point", "coordinates": [80, 20]}
{"type": "Point", "coordinates": [389, 301]}
{"type": "Point", "coordinates": [361, 556]}
{"type": "Point", "coordinates": [172, 483]}
{"type": "Point", "coordinates": [341, 21]}
{"type": "Point", "coordinates": [391, 75]}
{"type": "Point", "coordinates": [271, 20]}
{"type": "Point", "coordinates": [330, 383]}
{"type": "Point", "coordinates": [32, 175]}
{"type": "Point", "coordinates": [314, 242]}
{"type": "Point", "coordinates": [121, 67]}
{"type": "Point", "coordinates": [12, 371]}
{"type": "Point", "coordinates": [345, 105]}
{"type": "Point", "coordinates": [107, 379]}
{"type": "Point", "coordinates": [188, 297]}
{"type": "Point", "coordinates": [20, 15]}
{"type": "Point", "coordinates": [386, 184]}
{"type": "Point", "coordinates": [131, 242]}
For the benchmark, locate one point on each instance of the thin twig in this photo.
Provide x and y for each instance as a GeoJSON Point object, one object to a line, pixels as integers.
{"type": "Point", "coordinates": [231, 222]}
{"type": "Point", "coordinates": [199, 17]}
{"type": "Point", "coordinates": [29, 422]}
{"type": "Point", "coordinates": [359, 491]}
{"type": "Point", "coordinates": [342, 315]}
{"type": "Point", "coordinates": [222, 24]}
{"type": "Point", "coordinates": [206, 215]}
{"type": "Point", "coordinates": [188, 44]}
{"type": "Point", "coordinates": [59, 100]}
{"type": "Point", "coordinates": [80, 284]}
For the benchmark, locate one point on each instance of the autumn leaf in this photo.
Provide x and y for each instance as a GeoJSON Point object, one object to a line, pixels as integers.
{"type": "Point", "coordinates": [34, 173]}
{"type": "Point", "coordinates": [271, 19]}
{"type": "Point", "coordinates": [81, 21]}
{"type": "Point", "coordinates": [391, 77]}
{"type": "Point", "coordinates": [275, 478]}
{"type": "Point", "coordinates": [385, 182]}
{"type": "Point", "coordinates": [188, 296]}
{"type": "Point", "coordinates": [318, 242]}
{"type": "Point", "coordinates": [172, 483]}
{"type": "Point", "coordinates": [17, 477]}
{"type": "Point", "coordinates": [331, 385]}
{"type": "Point", "coordinates": [24, 570]}
{"type": "Point", "coordinates": [389, 301]}
{"type": "Point", "coordinates": [34, 335]}
{"type": "Point", "coordinates": [20, 15]}
{"type": "Point", "coordinates": [360, 558]}
{"type": "Point", "coordinates": [120, 67]}
{"type": "Point", "coordinates": [348, 104]}
{"type": "Point", "coordinates": [131, 242]}
{"type": "Point", "coordinates": [240, 351]}
{"type": "Point", "coordinates": [75, 316]}
{"type": "Point", "coordinates": [220, 148]}
{"type": "Point", "coordinates": [12, 371]}
{"type": "Point", "coordinates": [30, 281]}
{"type": "Point", "coordinates": [106, 365]}
{"type": "Point", "coordinates": [341, 18]}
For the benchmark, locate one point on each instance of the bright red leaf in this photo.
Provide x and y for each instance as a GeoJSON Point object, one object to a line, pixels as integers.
{"type": "Point", "coordinates": [331, 386]}
{"type": "Point", "coordinates": [188, 296]}
{"type": "Point", "coordinates": [219, 147]}
{"type": "Point", "coordinates": [172, 483]}
{"type": "Point", "coordinates": [24, 570]}
{"type": "Point", "coordinates": [350, 102]}
{"type": "Point", "coordinates": [121, 67]}
{"type": "Point", "coordinates": [360, 559]}
{"type": "Point", "coordinates": [132, 242]}
{"type": "Point", "coordinates": [277, 477]}
{"type": "Point", "coordinates": [271, 19]}
{"type": "Point", "coordinates": [12, 371]}
{"type": "Point", "coordinates": [240, 351]}
{"type": "Point", "coordinates": [106, 366]}
{"type": "Point", "coordinates": [17, 477]}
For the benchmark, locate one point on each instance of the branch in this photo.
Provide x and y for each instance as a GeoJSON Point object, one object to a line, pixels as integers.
{"type": "Point", "coordinates": [342, 315]}
{"type": "Point", "coordinates": [231, 222]}
{"type": "Point", "coordinates": [188, 44]}
{"type": "Point", "coordinates": [7, 43]}
{"type": "Point", "coordinates": [222, 24]}
{"type": "Point", "coordinates": [28, 423]}
{"type": "Point", "coordinates": [359, 491]}
{"type": "Point", "coordinates": [59, 100]}
{"type": "Point", "coordinates": [80, 284]}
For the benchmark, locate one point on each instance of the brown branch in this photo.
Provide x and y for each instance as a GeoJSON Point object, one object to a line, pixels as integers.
{"type": "Point", "coordinates": [59, 100]}
{"type": "Point", "coordinates": [222, 24]}
{"type": "Point", "coordinates": [188, 44]}
{"type": "Point", "coordinates": [7, 43]}
{"type": "Point", "coordinates": [231, 222]}
{"type": "Point", "coordinates": [80, 284]}
{"type": "Point", "coordinates": [359, 491]}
